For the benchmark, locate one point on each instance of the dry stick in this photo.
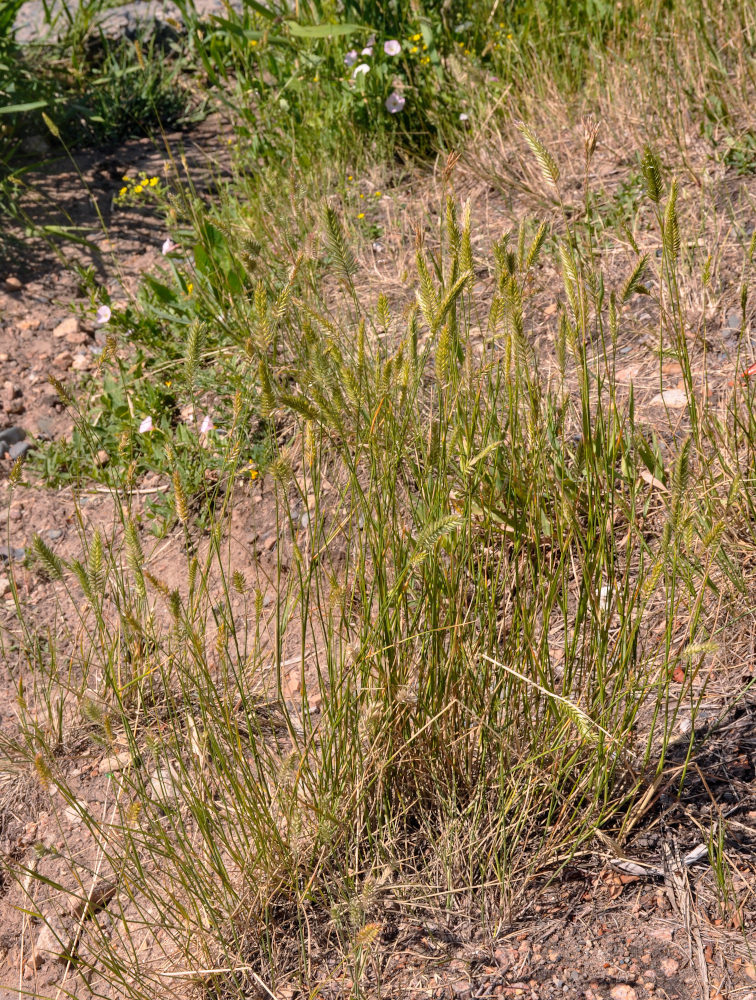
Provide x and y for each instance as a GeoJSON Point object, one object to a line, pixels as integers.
{"type": "Point", "coordinates": [550, 694]}
{"type": "Point", "coordinates": [24, 925]}
{"type": "Point", "coordinates": [190, 973]}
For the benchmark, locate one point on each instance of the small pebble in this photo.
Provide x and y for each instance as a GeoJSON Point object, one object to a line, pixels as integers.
{"type": "Point", "coordinates": [115, 763]}
{"type": "Point", "coordinates": [69, 326]}
{"type": "Point", "coordinates": [63, 360]}
{"type": "Point", "coordinates": [54, 533]}
{"type": "Point", "coordinates": [81, 363]}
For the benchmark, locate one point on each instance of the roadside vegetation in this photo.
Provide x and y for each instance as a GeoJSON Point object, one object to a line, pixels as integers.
{"type": "Point", "coordinates": [503, 581]}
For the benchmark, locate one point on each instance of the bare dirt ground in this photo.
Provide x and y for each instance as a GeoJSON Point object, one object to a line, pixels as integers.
{"type": "Point", "coordinates": [595, 930]}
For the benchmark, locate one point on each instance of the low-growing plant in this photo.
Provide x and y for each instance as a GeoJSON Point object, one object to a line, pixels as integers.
{"type": "Point", "coordinates": [488, 616]}
{"type": "Point", "coordinates": [495, 591]}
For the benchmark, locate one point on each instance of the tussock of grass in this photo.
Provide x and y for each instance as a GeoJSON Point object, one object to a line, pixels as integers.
{"type": "Point", "coordinates": [500, 568]}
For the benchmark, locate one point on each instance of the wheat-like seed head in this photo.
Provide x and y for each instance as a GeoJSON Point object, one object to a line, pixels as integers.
{"type": "Point", "coordinates": [181, 503]}
{"type": "Point", "coordinates": [547, 163]}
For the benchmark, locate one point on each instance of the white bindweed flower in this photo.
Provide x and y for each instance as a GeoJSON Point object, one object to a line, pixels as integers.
{"type": "Point", "coordinates": [392, 47]}
{"type": "Point", "coordinates": [102, 315]}
{"type": "Point", "coordinates": [206, 425]}
{"type": "Point", "coordinates": [463, 117]}
{"type": "Point", "coordinates": [367, 51]}
{"type": "Point", "coordinates": [146, 426]}
{"type": "Point", "coordinates": [350, 58]}
{"type": "Point", "coordinates": [168, 246]}
{"type": "Point", "coordinates": [361, 70]}
{"type": "Point", "coordinates": [395, 102]}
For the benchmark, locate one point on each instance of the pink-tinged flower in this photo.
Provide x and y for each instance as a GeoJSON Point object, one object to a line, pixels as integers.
{"type": "Point", "coordinates": [367, 51]}
{"type": "Point", "coordinates": [146, 426]}
{"type": "Point", "coordinates": [392, 47]}
{"type": "Point", "coordinates": [360, 70]}
{"type": "Point", "coordinates": [102, 315]}
{"type": "Point", "coordinates": [463, 117]}
{"type": "Point", "coordinates": [206, 425]}
{"type": "Point", "coordinates": [395, 102]}
{"type": "Point", "coordinates": [169, 246]}
{"type": "Point", "coordinates": [350, 58]}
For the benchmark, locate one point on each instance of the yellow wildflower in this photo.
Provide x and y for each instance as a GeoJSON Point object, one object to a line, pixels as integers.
{"type": "Point", "coordinates": [138, 189]}
{"type": "Point", "coordinates": [417, 37]}
{"type": "Point", "coordinates": [189, 288]}
{"type": "Point", "coordinates": [361, 215]}
{"type": "Point", "coordinates": [153, 182]}
{"type": "Point", "coordinates": [122, 192]}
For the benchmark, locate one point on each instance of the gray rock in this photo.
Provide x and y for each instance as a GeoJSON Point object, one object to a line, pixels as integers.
{"type": "Point", "coordinates": [156, 20]}
{"type": "Point", "coordinates": [54, 533]}
{"type": "Point", "coordinates": [19, 449]}
{"type": "Point", "coordinates": [13, 553]}
{"type": "Point", "coordinates": [36, 145]}
{"type": "Point", "coordinates": [45, 428]}
{"type": "Point", "coordinates": [733, 320]}
{"type": "Point", "coordinates": [11, 435]}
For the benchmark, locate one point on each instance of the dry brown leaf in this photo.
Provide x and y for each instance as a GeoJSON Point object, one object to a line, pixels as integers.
{"type": "Point", "coordinates": [647, 477]}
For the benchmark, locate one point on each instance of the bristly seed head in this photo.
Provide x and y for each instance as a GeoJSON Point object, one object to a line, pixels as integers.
{"type": "Point", "coordinates": [590, 131]}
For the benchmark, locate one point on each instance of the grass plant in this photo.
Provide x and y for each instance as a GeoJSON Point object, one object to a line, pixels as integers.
{"type": "Point", "coordinates": [502, 588]}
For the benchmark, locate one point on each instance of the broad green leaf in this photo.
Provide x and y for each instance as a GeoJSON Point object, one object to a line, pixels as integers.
{"type": "Point", "coordinates": [322, 30]}
{"type": "Point", "coordinates": [12, 109]}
